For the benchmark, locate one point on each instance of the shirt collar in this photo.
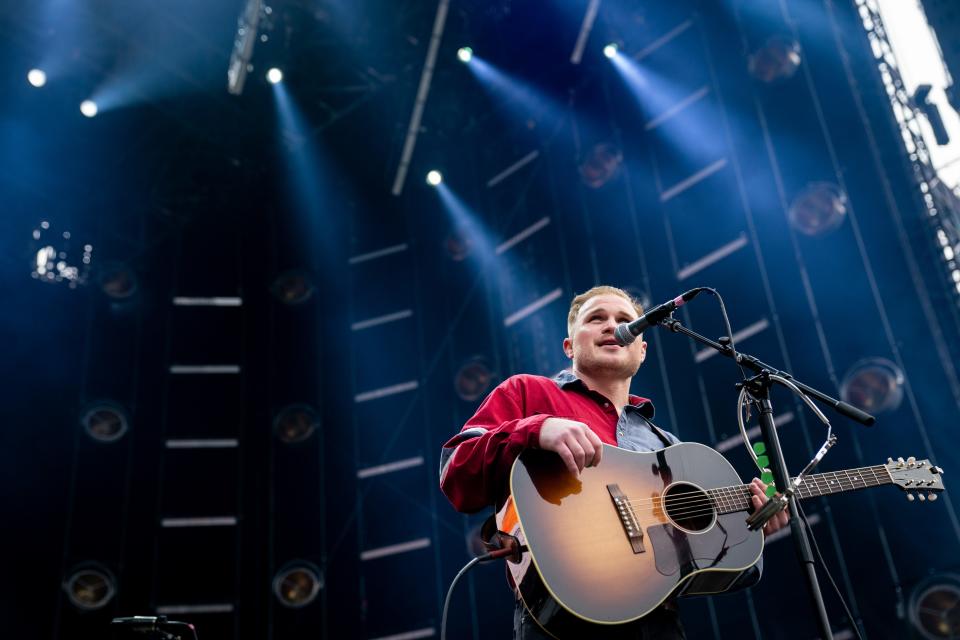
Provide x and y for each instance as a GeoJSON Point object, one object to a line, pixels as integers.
{"type": "Point", "coordinates": [567, 379]}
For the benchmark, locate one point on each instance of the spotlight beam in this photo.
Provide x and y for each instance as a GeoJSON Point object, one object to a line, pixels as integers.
{"type": "Point", "coordinates": [508, 90]}
{"type": "Point", "coordinates": [585, 28]}
{"type": "Point", "coordinates": [439, 24]}
{"type": "Point", "coordinates": [465, 218]}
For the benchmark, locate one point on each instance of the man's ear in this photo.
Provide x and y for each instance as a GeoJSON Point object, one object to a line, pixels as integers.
{"type": "Point", "coordinates": [643, 352]}
{"type": "Point", "coordinates": [568, 347]}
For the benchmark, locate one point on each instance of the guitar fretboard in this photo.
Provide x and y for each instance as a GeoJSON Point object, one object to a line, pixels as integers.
{"type": "Point", "coordinates": [732, 499]}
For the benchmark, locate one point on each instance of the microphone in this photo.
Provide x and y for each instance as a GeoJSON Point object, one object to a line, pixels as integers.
{"type": "Point", "coordinates": [626, 333]}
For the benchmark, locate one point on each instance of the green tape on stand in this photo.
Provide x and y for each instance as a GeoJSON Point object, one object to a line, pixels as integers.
{"type": "Point", "coordinates": [763, 462]}
{"type": "Point", "coordinates": [771, 491]}
{"type": "Point", "coordinates": [759, 448]}
{"type": "Point", "coordinates": [767, 477]}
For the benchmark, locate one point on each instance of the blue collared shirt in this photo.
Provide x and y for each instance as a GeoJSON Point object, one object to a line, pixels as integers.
{"type": "Point", "coordinates": [635, 431]}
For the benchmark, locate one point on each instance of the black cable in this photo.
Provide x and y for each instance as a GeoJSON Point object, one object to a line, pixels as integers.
{"type": "Point", "coordinates": [823, 565]}
{"type": "Point", "coordinates": [726, 325]}
{"type": "Point", "coordinates": [446, 602]}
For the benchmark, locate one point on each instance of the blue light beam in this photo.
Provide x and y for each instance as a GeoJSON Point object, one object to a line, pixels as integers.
{"type": "Point", "coordinates": [672, 106]}
{"type": "Point", "coordinates": [468, 222]}
{"type": "Point", "coordinates": [505, 89]}
{"type": "Point", "coordinates": [309, 178]}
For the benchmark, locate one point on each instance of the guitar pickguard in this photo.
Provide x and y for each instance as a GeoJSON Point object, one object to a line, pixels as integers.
{"type": "Point", "coordinates": [679, 552]}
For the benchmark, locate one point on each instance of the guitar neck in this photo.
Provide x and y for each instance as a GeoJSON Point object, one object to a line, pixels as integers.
{"type": "Point", "coordinates": [732, 499]}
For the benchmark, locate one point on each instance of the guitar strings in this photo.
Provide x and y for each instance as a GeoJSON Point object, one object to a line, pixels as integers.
{"type": "Point", "coordinates": [733, 493]}
{"type": "Point", "coordinates": [738, 502]}
{"type": "Point", "coordinates": [689, 506]}
{"type": "Point", "coordinates": [820, 481]}
{"type": "Point", "coordinates": [695, 505]}
{"type": "Point", "coordinates": [702, 504]}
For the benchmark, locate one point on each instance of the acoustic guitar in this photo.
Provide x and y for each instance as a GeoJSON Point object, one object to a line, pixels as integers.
{"type": "Point", "coordinates": [609, 547]}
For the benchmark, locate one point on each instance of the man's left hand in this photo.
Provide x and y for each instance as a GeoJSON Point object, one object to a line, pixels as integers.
{"type": "Point", "coordinates": [777, 522]}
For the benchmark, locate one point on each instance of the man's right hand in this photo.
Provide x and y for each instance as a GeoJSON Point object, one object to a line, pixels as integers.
{"type": "Point", "coordinates": [576, 444]}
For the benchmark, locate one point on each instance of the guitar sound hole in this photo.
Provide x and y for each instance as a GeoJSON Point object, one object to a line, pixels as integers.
{"type": "Point", "coordinates": [689, 506]}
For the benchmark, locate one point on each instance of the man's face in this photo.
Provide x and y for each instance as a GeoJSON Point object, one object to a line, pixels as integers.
{"type": "Point", "coordinates": [592, 346]}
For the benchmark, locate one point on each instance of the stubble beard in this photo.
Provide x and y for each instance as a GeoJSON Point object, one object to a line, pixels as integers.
{"type": "Point", "coordinates": [599, 368]}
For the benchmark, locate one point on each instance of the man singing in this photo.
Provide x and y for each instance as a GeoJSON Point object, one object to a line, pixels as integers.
{"type": "Point", "coordinates": [571, 415]}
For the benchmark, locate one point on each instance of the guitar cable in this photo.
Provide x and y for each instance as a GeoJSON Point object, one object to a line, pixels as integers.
{"type": "Point", "coordinates": [446, 601]}
{"type": "Point", "coordinates": [505, 552]}
{"type": "Point", "coordinates": [511, 550]}
{"type": "Point", "coordinates": [816, 549]}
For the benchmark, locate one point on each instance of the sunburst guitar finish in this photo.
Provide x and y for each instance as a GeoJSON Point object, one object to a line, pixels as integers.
{"type": "Point", "coordinates": [610, 547]}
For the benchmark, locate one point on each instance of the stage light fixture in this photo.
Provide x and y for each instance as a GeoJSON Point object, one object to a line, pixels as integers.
{"type": "Point", "coordinates": [923, 104]}
{"type": "Point", "coordinates": [464, 54]}
{"type": "Point", "coordinates": [935, 607]}
{"type": "Point", "coordinates": [434, 178]}
{"type": "Point", "coordinates": [104, 422]}
{"type": "Point", "coordinates": [88, 108]}
{"type": "Point", "coordinates": [90, 588]}
{"type": "Point", "coordinates": [37, 77]}
{"type": "Point", "coordinates": [874, 385]}
{"type": "Point", "coordinates": [246, 38]}
{"type": "Point", "coordinates": [297, 584]}
{"type": "Point", "coordinates": [118, 281]}
{"type": "Point", "coordinates": [458, 245]}
{"type": "Point", "coordinates": [473, 379]}
{"type": "Point", "coordinates": [292, 287]}
{"type": "Point", "coordinates": [610, 50]}
{"type": "Point", "coordinates": [56, 259]}
{"type": "Point", "coordinates": [600, 165]}
{"type": "Point", "coordinates": [274, 75]}
{"type": "Point", "coordinates": [296, 423]}
{"type": "Point", "coordinates": [820, 208]}
{"type": "Point", "coordinates": [778, 59]}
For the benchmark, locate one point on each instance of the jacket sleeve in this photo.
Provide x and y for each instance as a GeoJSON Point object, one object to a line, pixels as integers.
{"type": "Point", "coordinates": [475, 464]}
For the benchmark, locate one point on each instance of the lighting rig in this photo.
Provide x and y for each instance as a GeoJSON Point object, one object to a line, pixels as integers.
{"type": "Point", "coordinates": [248, 25]}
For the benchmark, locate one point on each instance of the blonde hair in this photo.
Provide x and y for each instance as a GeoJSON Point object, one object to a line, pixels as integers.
{"type": "Point", "coordinates": [578, 301]}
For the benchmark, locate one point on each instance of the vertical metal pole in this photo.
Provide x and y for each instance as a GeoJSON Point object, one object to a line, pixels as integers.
{"type": "Point", "coordinates": [801, 543]}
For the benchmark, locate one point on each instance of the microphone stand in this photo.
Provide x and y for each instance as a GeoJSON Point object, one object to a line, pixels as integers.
{"type": "Point", "coordinates": [759, 387]}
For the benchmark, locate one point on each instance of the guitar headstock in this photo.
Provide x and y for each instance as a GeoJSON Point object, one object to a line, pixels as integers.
{"type": "Point", "coordinates": [919, 478]}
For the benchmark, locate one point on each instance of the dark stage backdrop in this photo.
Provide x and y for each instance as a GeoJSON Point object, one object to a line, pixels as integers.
{"type": "Point", "coordinates": [380, 321]}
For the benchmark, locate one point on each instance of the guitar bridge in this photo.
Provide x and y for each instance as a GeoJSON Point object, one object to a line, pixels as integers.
{"type": "Point", "coordinates": [628, 519]}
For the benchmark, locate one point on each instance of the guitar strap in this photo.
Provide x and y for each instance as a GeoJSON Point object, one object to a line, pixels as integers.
{"type": "Point", "coordinates": [659, 433]}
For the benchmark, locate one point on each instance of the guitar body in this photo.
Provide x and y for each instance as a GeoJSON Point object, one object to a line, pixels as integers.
{"type": "Point", "coordinates": [608, 548]}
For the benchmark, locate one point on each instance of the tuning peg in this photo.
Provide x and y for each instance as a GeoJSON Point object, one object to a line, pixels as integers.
{"type": "Point", "coordinates": [911, 460]}
{"type": "Point", "coordinates": [900, 461]}
{"type": "Point", "coordinates": [889, 460]}
{"type": "Point", "coordinates": [922, 497]}
{"type": "Point", "coordinates": [910, 497]}
{"type": "Point", "coordinates": [937, 470]}
{"type": "Point", "coordinates": [931, 497]}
